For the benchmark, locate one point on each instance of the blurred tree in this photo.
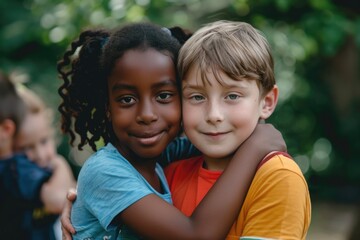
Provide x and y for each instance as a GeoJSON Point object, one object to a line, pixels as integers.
{"type": "Point", "coordinates": [315, 45]}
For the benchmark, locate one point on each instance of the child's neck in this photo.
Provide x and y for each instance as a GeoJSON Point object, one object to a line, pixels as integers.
{"type": "Point", "coordinates": [5, 154]}
{"type": "Point", "coordinates": [6, 150]}
{"type": "Point", "coordinates": [146, 167]}
{"type": "Point", "coordinates": [216, 164]}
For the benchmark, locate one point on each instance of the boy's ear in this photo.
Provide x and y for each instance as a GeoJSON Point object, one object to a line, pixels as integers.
{"type": "Point", "coordinates": [7, 129]}
{"type": "Point", "coordinates": [269, 102]}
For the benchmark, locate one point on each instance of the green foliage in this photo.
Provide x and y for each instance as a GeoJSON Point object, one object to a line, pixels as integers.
{"type": "Point", "coordinates": [305, 36]}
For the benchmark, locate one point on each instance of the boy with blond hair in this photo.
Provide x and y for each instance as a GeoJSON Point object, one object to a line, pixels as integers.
{"type": "Point", "coordinates": [21, 181]}
{"type": "Point", "coordinates": [36, 138]}
{"type": "Point", "coordinates": [228, 86]}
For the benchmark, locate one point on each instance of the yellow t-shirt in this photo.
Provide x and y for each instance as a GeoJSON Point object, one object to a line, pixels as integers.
{"type": "Point", "coordinates": [277, 205]}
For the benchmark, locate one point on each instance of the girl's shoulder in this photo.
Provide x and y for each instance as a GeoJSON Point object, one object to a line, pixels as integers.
{"type": "Point", "coordinates": [106, 159]}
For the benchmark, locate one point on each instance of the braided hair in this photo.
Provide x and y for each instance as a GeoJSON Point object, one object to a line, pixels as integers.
{"type": "Point", "coordinates": [85, 73]}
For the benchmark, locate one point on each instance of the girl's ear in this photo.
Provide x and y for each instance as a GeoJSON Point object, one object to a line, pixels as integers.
{"type": "Point", "coordinates": [268, 103]}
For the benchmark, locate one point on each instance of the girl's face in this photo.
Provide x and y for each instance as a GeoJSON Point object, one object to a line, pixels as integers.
{"type": "Point", "coordinates": [144, 103]}
{"type": "Point", "coordinates": [36, 139]}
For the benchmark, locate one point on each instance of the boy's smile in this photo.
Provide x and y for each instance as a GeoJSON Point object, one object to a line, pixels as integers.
{"type": "Point", "coordinates": [219, 115]}
{"type": "Point", "coordinates": [216, 136]}
{"type": "Point", "coordinates": [144, 103]}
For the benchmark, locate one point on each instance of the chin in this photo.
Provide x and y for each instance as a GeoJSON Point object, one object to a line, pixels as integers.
{"type": "Point", "coordinates": [149, 154]}
{"type": "Point", "coordinates": [217, 154]}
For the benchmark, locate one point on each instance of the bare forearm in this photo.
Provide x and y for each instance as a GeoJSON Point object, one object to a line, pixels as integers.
{"type": "Point", "coordinates": [226, 197]}
{"type": "Point", "coordinates": [53, 192]}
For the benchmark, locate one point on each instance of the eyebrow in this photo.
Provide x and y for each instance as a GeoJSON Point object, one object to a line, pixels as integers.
{"type": "Point", "coordinates": [197, 87]}
{"type": "Point", "coordinates": [191, 86]}
{"type": "Point", "coordinates": [120, 86]}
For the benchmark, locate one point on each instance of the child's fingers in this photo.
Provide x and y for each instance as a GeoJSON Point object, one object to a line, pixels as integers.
{"type": "Point", "coordinates": [66, 227]}
{"type": "Point", "coordinates": [65, 234]}
{"type": "Point", "coordinates": [71, 195]}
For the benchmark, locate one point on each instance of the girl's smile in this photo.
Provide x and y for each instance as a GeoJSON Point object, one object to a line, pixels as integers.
{"type": "Point", "coordinates": [144, 103]}
{"type": "Point", "coordinates": [149, 139]}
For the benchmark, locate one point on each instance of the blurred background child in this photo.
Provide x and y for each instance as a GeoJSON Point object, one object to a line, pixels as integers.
{"type": "Point", "coordinates": [21, 181]}
{"type": "Point", "coordinates": [36, 138]}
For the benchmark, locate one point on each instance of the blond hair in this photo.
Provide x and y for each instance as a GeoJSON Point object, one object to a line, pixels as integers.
{"type": "Point", "coordinates": [234, 48]}
{"type": "Point", "coordinates": [34, 104]}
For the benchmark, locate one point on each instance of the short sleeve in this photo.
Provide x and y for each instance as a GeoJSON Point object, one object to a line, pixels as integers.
{"type": "Point", "coordinates": [280, 204]}
{"type": "Point", "coordinates": [108, 186]}
{"type": "Point", "coordinates": [180, 148]}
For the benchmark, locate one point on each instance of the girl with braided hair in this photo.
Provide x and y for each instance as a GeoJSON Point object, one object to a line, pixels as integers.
{"type": "Point", "coordinates": [123, 87]}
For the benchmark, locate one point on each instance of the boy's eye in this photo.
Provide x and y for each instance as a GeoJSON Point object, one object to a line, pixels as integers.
{"type": "Point", "coordinates": [232, 96]}
{"type": "Point", "coordinates": [197, 97]}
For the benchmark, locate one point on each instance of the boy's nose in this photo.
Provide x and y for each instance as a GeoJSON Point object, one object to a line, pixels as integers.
{"type": "Point", "coordinates": [214, 113]}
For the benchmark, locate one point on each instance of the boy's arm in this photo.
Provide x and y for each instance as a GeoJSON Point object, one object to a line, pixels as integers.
{"type": "Point", "coordinates": [53, 192]}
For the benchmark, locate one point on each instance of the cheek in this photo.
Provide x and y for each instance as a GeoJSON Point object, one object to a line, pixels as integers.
{"type": "Point", "coordinates": [245, 120]}
{"type": "Point", "coordinates": [122, 118]}
{"type": "Point", "coordinates": [191, 116]}
{"type": "Point", "coordinates": [173, 112]}
{"type": "Point", "coordinates": [30, 154]}
{"type": "Point", "coordinates": [50, 148]}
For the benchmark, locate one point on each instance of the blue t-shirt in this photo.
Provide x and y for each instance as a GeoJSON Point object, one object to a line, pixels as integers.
{"type": "Point", "coordinates": [108, 184]}
{"type": "Point", "coordinates": [20, 184]}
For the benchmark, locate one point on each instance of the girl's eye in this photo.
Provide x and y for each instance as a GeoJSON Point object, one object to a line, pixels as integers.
{"type": "Point", "coordinates": [126, 100]}
{"type": "Point", "coordinates": [164, 97]}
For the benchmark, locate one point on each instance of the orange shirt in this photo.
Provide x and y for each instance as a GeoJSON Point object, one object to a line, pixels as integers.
{"type": "Point", "coordinates": [277, 204]}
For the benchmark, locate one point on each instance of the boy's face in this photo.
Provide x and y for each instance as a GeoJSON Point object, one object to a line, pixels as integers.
{"type": "Point", "coordinates": [218, 117]}
{"type": "Point", "coordinates": [36, 139]}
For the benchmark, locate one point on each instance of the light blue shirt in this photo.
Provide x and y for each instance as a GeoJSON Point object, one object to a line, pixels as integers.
{"type": "Point", "coordinates": [108, 184]}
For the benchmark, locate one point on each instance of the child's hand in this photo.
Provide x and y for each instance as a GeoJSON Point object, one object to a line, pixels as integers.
{"type": "Point", "coordinates": [264, 139]}
{"type": "Point", "coordinates": [66, 227]}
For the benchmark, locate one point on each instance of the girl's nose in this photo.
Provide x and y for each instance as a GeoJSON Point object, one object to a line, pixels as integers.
{"type": "Point", "coordinates": [147, 112]}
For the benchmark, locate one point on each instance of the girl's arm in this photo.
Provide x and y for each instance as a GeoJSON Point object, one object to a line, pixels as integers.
{"type": "Point", "coordinates": [152, 218]}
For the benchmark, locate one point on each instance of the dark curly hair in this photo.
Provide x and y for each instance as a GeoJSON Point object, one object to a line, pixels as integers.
{"type": "Point", "coordinates": [85, 73]}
